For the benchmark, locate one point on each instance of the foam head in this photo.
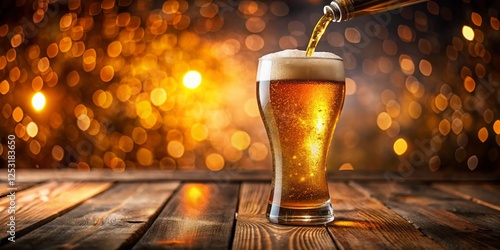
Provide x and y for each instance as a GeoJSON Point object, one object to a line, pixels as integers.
{"type": "Point", "coordinates": [295, 65]}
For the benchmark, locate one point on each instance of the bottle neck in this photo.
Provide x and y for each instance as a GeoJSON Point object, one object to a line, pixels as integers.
{"type": "Point", "coordinates": [339, 10]}
{"type": "Point", "coordinates": [343, 10]}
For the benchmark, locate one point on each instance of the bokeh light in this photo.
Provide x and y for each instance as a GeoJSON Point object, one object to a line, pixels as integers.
{"type": "Point", "coordinates": [400, 146]}
{"type": "Point", "coordinates": [468, 33]}
{"type": "Point", "coordinates": [192, 79]}
{"type": "Point", "coordinates": [38, 101]}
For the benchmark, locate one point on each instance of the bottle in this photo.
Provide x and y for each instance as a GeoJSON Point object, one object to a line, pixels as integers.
{"type": "Point", "coordinates": [343, 10]}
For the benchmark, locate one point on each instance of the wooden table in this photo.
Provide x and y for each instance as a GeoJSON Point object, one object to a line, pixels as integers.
{"type": "Point", "coordinates": [221, 210]}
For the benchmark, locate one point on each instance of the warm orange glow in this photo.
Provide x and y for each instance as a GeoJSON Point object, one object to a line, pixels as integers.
{"type": "Point", "coordinates": [346, 166]}
{"type": "Point", "coordinates": [197, 196]}
{"type": "Point", "coordinates": [38, 101]}
{"type": "Point", "coordinates": [192, 79]}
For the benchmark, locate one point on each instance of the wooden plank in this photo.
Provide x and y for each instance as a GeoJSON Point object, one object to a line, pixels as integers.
{"type": "Point", "coordinates": [199, 216]}
{"type": "Point", "coordinates": [223, 176]}
{"type": "Point", "coordinates": [115, 219]}
{"type": "Point", "coordinates": [486, 194]}
{"type": "Point", "coordinates": [37, 175]}
{"type": "Point", "coordinates": [362, 222]}
{"type": "Point", "coordinates": [449, 220]}
{"type": "Point", "coordinates": [254, 231]}
{"type": "Point", "coordinates": [40, 204]}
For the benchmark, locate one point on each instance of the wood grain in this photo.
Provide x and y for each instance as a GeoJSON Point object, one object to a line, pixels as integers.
{"type": "Point", "coordinates": [199, 215]}
{"type": "Point", "coordinates": [362, 222]}
{"type": "Point", "coordinates": [38, 205]}
{"type": "Point", "coordinates": [449, 220]}
{"type": "Point", "coordinates": [115, 219]}
{"type": "Point", "coordinates": [32, 175]}
{"type": "Point", "coordinates": [486, 194]}
{"type": "Point", "coordinates": [254, 231]}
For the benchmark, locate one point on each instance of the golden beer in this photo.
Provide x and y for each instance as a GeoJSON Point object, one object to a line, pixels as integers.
{"type": "Point", "coordinates": [300, 99]}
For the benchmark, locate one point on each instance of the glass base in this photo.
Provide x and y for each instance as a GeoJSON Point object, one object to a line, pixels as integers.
{"type": "Point", "coordinates": [300, 216]}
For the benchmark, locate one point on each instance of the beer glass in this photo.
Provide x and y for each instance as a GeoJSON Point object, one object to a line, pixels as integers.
{"type": "Point", "coordinates": [300, 99]}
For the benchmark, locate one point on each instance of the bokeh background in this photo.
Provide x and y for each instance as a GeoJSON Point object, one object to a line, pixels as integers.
{"type": "Point", "coordinates": [171, 84]}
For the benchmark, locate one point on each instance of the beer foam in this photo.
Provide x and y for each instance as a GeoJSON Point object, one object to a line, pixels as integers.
{"type": "Point", "coordinates": [298, 53]}
{"type": "Point", "coordinates": [295, 65]}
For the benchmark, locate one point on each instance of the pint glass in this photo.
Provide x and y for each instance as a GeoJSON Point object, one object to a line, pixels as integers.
{"type": "Point", "coordinates": [300, 99]}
